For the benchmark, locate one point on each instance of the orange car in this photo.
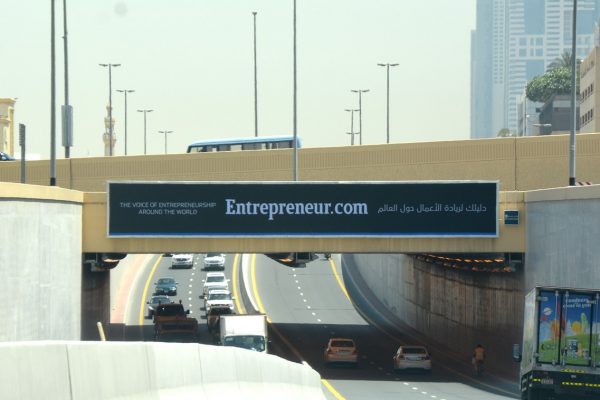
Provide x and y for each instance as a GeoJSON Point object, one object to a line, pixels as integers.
{"type": "Point", "coordinates": [341, 350]}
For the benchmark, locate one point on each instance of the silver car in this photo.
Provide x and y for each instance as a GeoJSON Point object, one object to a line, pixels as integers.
{"type": "Point", "coordinates": [412, 358]}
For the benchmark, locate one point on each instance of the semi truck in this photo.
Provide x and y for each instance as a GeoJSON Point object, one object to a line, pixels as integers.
{"type": "Point", "coordinates": [560, 353]}
{"type": "Point", "coordinates": [171, 323]}
{"type": "Point", "coordinates": [245, 331]}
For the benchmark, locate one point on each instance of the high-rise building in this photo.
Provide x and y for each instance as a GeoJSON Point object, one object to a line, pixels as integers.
{"type": "Point", "coordinates": [514, 41]}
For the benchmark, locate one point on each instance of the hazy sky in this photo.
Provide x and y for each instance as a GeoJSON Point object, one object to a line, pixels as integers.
{"type": "Point", "coordinates": [192, 62]}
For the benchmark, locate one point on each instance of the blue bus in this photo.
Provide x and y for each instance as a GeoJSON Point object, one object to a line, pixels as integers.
{"type": "Point", "coordinates": [246, 143]}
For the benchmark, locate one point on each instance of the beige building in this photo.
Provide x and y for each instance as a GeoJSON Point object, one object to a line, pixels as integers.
{"type": "Point", "coordinates": [589, 98]}
{"type": "Point", "coordinates": [7, 125]}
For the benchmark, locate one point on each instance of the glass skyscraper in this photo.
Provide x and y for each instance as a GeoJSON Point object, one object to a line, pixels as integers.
{"type": "Point", "coordinates": [514, 41]}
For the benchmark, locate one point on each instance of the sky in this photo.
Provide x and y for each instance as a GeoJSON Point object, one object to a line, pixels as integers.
{"type": "Point", "coordinates": [192, 62]}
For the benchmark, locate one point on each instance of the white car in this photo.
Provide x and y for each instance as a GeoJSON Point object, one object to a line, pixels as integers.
{"type": "Point", "coordinates": [218, 298]}
{"type": "Point", "coordinates": [182, 261]}
{"type": "Point", "coordinates": [214, 260]}
{"type": "Point", "coordinates": [215, 280]}
{"type": "Point", "coordinates": [412, 358]}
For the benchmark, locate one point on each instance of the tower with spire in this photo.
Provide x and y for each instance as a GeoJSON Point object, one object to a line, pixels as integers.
{"type": "Point", "coordinates": [106, 136]}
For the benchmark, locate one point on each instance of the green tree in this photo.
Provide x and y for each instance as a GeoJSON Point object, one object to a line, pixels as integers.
{"type": "Point", "coordinates": [504, 132]}
{"type": "Point", "coordinates": [543, 87]}
{"type": "Point", "coordinates": [564, 61]}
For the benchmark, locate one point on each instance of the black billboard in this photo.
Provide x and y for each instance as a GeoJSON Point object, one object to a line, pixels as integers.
{"type": "Point", "coordinates": [303, 209]}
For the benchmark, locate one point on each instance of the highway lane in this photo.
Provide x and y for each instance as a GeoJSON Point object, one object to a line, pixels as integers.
{"type": "Point", "coordinates": [308, 305]}
{"type": "Point", "coordinates": [189, 289]}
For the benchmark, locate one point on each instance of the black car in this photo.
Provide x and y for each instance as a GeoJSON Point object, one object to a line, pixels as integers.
{"type": "Point", "coordinates": [155, 301]}
{"type": "Point", "coordinates": [166, 286]}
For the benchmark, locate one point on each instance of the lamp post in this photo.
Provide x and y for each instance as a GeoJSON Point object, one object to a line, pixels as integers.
{"type": "Point", "coordinates": [52, 100]}
{"type": "Point", "coordinates": [110, 120]}
{"type": "Point", "coordinates": [165, 133]}
{"type": "Point", "coordinates": [67, 111]}
{"type": "Point", "coordinates": [360, 92]}
{"type": "Point", "coordinates": [351, 111]}
{"type": "Point", "coordinates": [255, 82]}
{"type": "Point", "coordinates": [573, 94]}
{"type": "Point", "coordinates": [388, 97]}
{"type": "Point", "coordinates": [125, 91]}
{"type": "Point", "coordinates": [295, 103]}
{"type": "Point", "coordinates": [145, 112]}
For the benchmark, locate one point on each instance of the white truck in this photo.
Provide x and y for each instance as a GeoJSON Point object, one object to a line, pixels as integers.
{"type": "Point", "coordinates": [560, 357]}
{"type": "Point", "coordinates": [245, 331]}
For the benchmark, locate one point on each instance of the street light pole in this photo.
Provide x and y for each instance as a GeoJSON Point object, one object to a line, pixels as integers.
{"type": "Point", "coordinates": [573, 94]}
{"type": "Point", "coordinates": [145, 111]}
{"type": "Point", "coordinates": [125, 91]}
{"type": "Point", "coordinates": [52, 100]}
{"type": "Point", "coordinates": [295, 103]}
{"type": "Point", "coordinates": [165, 133]}
{"type": "Point", "coordinates": [388, 97]}
{"type": "Point", "coordinates": [351, 111]}
{"type": "Point", "coordinates": [255, 82]}
{"type": "Point", "coordinates": [110, 120]}
{"type": "Point", "coordinates": [67, 114]}
{"type": "Point", "coordinates": [360, 92]}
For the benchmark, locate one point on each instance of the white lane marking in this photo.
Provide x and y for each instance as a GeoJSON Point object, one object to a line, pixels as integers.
{"type": "Point", "coordinates": [318, 320]}
{"type": "Point", "coordinates": [296, 281]}
{"type": "Point", "coordinates": [308, 307]}
{"type": "Point", "coordinates": [301, 294]}
{"type": "Point", "coordinates": [313, 314]}
{"type": "Point", "coordinates": [299, 288]}
{"type": "Point", "coordinates": [304, 300]}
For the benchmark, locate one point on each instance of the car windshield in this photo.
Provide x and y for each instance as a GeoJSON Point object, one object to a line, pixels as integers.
{"type": "Point", "coordinates": [160, 299]}
{"type": "Point", "coordinates": [166, 281]}
{"type": "Point", "coordinates": [215, 279]}
{"type": "Point", "coordinates": [413, 350]}
{"type": "Point", "coordinates": [342, 343]}
{"type": "Point", "coordinates": [219, 296]}
{"type": "Point", "coordinates": [256, 343]}
{"type": "Point", "coordinates": [213, 254]}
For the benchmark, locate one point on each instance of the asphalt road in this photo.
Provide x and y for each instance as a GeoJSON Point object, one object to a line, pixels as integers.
{"type": "Point", "coordinates": [306, 306]}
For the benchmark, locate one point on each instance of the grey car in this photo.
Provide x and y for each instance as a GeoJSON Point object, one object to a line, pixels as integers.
{"type": "Point", "coordinates": [166, 286]}
{"type": "Point", "coordinates": [155, 301]}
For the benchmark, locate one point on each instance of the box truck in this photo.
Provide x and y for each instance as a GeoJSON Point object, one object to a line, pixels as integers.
{"type": "Point", "coordinates": [560, 353]}
{"type": "Point", "coordinates": [245, 331]}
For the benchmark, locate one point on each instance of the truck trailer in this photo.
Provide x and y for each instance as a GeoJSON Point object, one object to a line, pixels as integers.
{"type": "Point", "coordinates": [245, 331]}
{"type": "Point", "coordinates": [560, 354]}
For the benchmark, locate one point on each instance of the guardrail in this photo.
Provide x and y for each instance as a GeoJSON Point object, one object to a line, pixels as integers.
{"type": "Point", "coordinates": [137, 370]}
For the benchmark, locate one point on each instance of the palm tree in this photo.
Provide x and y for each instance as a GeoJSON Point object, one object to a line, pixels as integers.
{"type": "Point", "coordinates": [564, 61]}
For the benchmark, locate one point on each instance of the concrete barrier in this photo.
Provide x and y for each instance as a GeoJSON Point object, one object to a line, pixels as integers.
{"type": "Point", "coordinates": [118, 370]}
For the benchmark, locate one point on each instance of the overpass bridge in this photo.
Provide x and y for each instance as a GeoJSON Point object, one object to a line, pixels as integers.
{"type": "Point", "coordinates": [49, 228]}
{"type": "Point", "coordinates": [519, 164]}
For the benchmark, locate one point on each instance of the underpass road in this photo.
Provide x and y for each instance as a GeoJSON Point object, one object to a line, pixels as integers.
{"type": "Point", "coordinates": [307, 306]}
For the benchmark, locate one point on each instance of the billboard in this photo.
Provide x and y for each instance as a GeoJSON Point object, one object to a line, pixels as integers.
{"type": "Point", "coordinates": [303, 209]}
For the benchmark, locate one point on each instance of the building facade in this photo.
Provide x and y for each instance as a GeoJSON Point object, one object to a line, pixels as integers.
{"type": "Point", "coordinates": [7, 125]}
{"type": "Point", "coordinates": [589, 99]}
{"type": "Point", "coordinates": [525, 36]}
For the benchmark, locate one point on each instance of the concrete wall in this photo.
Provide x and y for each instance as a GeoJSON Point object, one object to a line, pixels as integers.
{"type": "Point", "coordinates": [40, 263]}
{"type": "Point", "coordinates": [522, 163]}
{"type": "Point", "coordinates": [119, 370]}
{"type": "Point", "coordinates": [456, 309]}
{"type": "Point", "coordinates": [563, 237]}
{"type": "Point", "coordinates": [459, 309]}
